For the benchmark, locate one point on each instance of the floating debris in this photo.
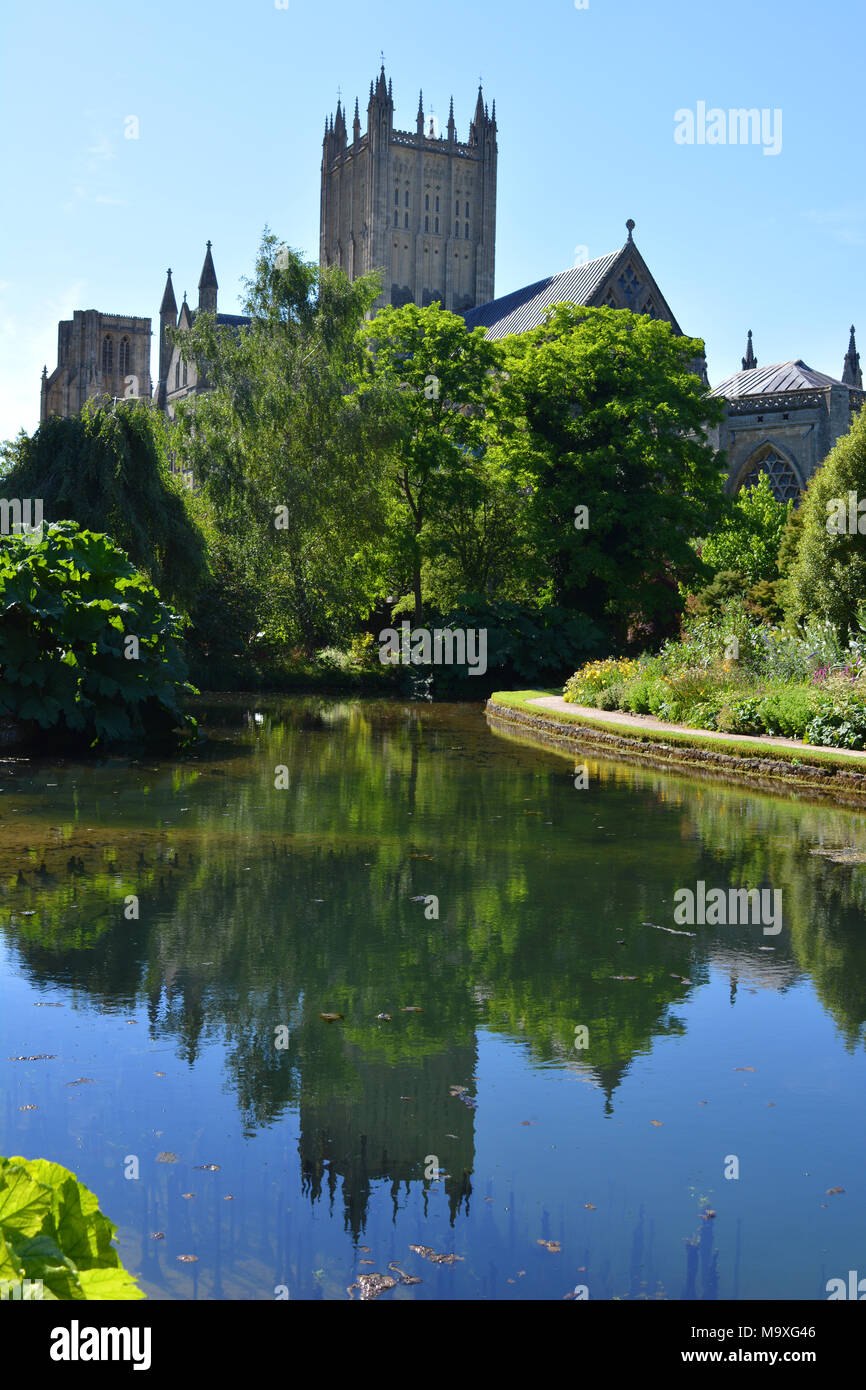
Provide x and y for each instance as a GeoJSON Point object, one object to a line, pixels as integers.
{"type": "Point", "coordinates": [28, 1107]}
{"type": "Point", "coordinates": [386, 1018]}
{"type": "Point", "coordinates": [708, 1215]}
{"type": "Point", "coordinates": [427, 1253]}
{"type": "Point", "coordinates": [552, 1245]}
{"type": "Point", "coordinates": [330, 1018]}
{"type": "Point", "coordinates": [82, 1081]}
{"type": "Point", "coordinates": [412, 1009]}
{"type": "Point", "coordinates": [188, 1259]}
{"type": "Point", "coordinates": [187, 1196]}
{"type": "Point", "coordinates": [166, 1157]}
{"type": "Point", "coordinates": [670, 930]}
{"type": "Point", "coordinates": [37, 1057]}
{"type": "Point", "coordinates": [207, 1167]}
{"type": "Point", "coordinates": [833, 1191]}
{"type": "Point", "coordinates": [157, 1235]}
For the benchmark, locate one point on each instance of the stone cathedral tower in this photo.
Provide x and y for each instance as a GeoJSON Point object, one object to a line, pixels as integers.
{"type": "Point", "coordinates": [419, 206]}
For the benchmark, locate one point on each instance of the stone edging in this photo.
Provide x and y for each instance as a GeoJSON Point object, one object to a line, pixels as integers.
{"type": "Point", "coordinates": [830, 781]}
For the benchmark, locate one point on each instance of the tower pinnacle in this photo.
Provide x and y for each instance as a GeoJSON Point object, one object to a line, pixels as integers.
{"type": "Point", "coordinates": [750, 361]}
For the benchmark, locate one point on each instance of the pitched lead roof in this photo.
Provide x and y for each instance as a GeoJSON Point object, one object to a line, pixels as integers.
{"type": "Point", "coordinates": [524, 309]}
{"type": "Point", "coordinates": [781, 376]}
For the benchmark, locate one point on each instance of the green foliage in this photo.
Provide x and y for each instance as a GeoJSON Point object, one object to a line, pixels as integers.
{"type": "Point", "coordinates": [429, 380]}
{"type": "Point", "coordinates": [841, 725]}
{"type": "Point", "coordinates": [741, 716]}
{"type": "Point", "coordinates": [788, 711]}
{"type": "Point", "coordinates": [827, 577]}
{"type": "Point", "coordinates": [51, 1229]}
{"type": "Point", "coordinates": [749, 537]}
{"type": "Point", "coordinates": [108, 470]}
{"type": "Point", "coordinates": [598, 409]}
{"type": "Point", "coordinates": [70, 604]}
{"type": "Point", "coordinates": [285, 458]}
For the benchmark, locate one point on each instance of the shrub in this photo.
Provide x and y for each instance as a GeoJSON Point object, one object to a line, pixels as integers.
{"type": "Point", "coordinates": [741, 716]}
{"type": "Point", "coordinates": [788, 711]}
{"type": "Point", "coordinates": [87, 647]}
{"type": "Point", "coordinates": [51, 1230]}
{"type": "Point", "coordinates": [596, 676]}
{"type": "Point", "coordinates": [841, 725]}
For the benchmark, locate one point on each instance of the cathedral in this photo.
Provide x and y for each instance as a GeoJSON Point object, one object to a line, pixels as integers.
{"type": "Point", "coordinates": [420, 207]}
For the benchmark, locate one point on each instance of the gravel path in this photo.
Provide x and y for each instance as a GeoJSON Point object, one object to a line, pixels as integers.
{"type": "Point", "coordinates": [646, 721]}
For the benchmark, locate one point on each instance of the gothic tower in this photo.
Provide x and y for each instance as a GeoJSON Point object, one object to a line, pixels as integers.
{"type": "Point", "coordinates": [420, 206]}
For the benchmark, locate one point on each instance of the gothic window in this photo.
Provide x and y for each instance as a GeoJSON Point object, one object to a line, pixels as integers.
{"type": "Point", "coordinates": [436, 223]}
{"type": "Point", "coordinates": [650, 309]}
{"type": "Point", "coordinates": [184, 374]}
{"type": "Point", "coordinates": [177, 376]}
{"type": "Point", "coordinates": [466, 231]}
{"type": "Point", "coordinates": [609, 300]}
{"type": "Point", "coordinates": [406, 203]}
{"type": "Point", "coordinates": [426, 224]}
{"type": "Point", "coordinates": [467, 209]}
{"type": "Point", "coordinates": [396, 218]}
{"type": "Point", "coordinates": [457, 209]}
{"type": "Point", "coordinates": [437, 202]}
{"type": "Point", "coordinates": [783, 479]}
{"type": "Point", "coordinates": [123, 356]}
{"type": "Point", "coordinates": [405, 219]}
{"type": "Point", "coordinates": [396, 197]}
{"type": "Point", "coordinates": [457, 229]}
{"type": "Point", "coordinates": [629, 283]}
{"type": "Point", "coordinates": [426, 202]}
{"type": "Point", "coordinates": [107, 354]}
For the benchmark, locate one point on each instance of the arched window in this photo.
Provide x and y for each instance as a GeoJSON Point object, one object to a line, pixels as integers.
{"type": "Point", "coordinates": [457, 209]}
{"type": "Point", "coordinates": [177, 376]}
{"type": "Point", "coordinates": [466, 231]}
{"type": "Point", "coordinates": [406, 202]}
{"type": "Point", "coordinates": [123, 356]}
{"type": "Point", "coordinates": [426, 202]}
{"type": "Point", "coordinates": [107, 354]}
{"type": "Point", "coordinates": [184, 374]}
{"type": "Point", "coordinates": [457, 229]}
{"type": "Point", "coordinates": [396, 197]}
{"type": "Point", "coordinates": [426, 224]}
{"type": "Point", "coordinates": [405, 219]}
{"type": "Point", "coordinates": [783, 479]}
{"type": "Point", "coordinates": [437, 202]}
{"type": "Point", "coordinates": [396, 218]}
{"type": "Point", "coordinates": [436, 223]}
{"type": "Point", "coordinates": [467, 209]}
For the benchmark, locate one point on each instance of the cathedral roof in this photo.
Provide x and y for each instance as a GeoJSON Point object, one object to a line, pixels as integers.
{"type": "Point", "coordinates": [781, 377]}
{"type": "Point", "coordinates": [524, 309]}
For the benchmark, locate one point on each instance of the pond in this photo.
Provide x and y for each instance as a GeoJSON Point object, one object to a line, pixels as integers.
{"type": "Point", "coordinates": [536, 1069]}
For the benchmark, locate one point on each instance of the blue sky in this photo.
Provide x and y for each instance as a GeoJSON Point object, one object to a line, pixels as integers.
{"type": "Point", "coordinates": [231, 98]}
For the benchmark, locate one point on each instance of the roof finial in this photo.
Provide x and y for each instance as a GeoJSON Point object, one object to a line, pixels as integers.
{"type": "Point", "coordinates": [630, 227]}
{"type": "Point", "coordinates": [750, 361]}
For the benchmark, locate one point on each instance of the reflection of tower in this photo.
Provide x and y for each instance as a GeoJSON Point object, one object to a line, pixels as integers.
{"type": "Point", "coordinates": [373, 1135]}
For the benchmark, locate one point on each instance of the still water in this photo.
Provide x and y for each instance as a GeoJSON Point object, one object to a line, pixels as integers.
{"type": "Point", "coordinates": [294, 866]}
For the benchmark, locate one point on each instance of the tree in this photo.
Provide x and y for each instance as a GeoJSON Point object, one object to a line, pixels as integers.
{"type": "Point", "coordinates": [108, 470]}
{"type": "Point", "coordinates": [604, 426]}
{"type": "Point", "coordinates": [748, 539]}
{"type": "Point", "coordinates": [278, 447]}
{"type": "Point", "coordinates": [827, 576]}
{"type": "Point", "coordinates": [431, 380]}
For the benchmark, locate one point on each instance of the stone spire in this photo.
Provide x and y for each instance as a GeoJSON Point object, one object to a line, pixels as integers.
{"type": "Point", "coordinates": [207, 285]}
{"type": "Point", "coordinates": [419, 126]}
{"type": "Point", "coordinates": [452, 128]}
{"type": "Point", "coordinates": [750, 361]}
{"type": "Point", "coordinates": [851, 373]}
{"type": "Point", "coordinates": [169, 303]}
{"type": "Point", "coordinates": [356, 124]}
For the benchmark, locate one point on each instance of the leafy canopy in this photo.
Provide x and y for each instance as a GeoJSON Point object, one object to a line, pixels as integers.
{"type": "Point", "coordinates": [749, 537]}
{"type": "Point", "coordinates": [599, 409]}
{"type": "Point", "coordinates": [108, 469]}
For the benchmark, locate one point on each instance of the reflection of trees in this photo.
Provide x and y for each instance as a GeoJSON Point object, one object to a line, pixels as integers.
{"type": "Point", "coordinates": [534, 925]}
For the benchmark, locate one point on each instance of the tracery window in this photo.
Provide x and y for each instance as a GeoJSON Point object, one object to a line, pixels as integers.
{"type": "Point", "coordinates": [783, 479]}
{"type": "Point", "coordinates": [123, 357]}
{"type": "Point", "coordinates": [107, 354]}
